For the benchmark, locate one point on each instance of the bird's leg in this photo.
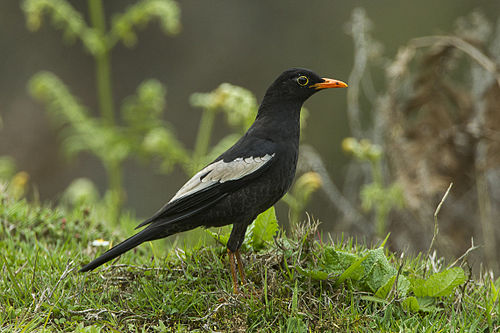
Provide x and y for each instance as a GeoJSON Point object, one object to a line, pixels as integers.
{"type": "Point", "coordinates": [240, 267]}
{"type": "Point", "coordinates": [233, 270]}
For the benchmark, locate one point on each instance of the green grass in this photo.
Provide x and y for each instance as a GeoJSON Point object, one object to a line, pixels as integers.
{"type": "Point", "coordinates": [296, 284]}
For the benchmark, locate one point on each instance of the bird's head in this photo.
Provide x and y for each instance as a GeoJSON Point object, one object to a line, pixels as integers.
{"type": "Point", "coordinates": [299, 84]}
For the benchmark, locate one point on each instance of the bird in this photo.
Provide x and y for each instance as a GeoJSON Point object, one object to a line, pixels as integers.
{"type": "Point", "coordinates": [245, 180]}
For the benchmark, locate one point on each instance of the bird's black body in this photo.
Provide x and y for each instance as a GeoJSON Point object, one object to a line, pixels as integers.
{"type": "Point", "coordinates": [245, 180]}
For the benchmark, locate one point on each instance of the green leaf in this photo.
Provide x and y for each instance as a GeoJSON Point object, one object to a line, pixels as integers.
{"type": "Point", "coordinates": [411, 304]}
{"type": "Point", "coordinates": [237, 103]}
{"type": "Point", "coordinates": [427, 304]}
{"type": "Point", "coordinates": [81, 132]}
{"type": "Point", "coordinates": [222, 236]}
{"type": "Point", "coordinates": [167, 12]}
{"type": "Point", "coordinates": [403, 285]}
{"type": "Point", "coordinates": [493, 294]}
{"type": "Point", "coordinates": [162, 142]}
{"type": "Point", "coordinates": [294, 322]}
{"type": "Point", "coordinates": [377, 270]}
{"type": "Point", "coordinates": [439, 284]}
{"type": "Point", "coordinates": [262, 230]}
{"type": "Point", "coordinates": [142, 110]}
{"type": "Point", "coordinates": [355, 271]}
{"type": "Point", "coordinates": [295, 298]}
{"type": "Point", "coordinates": [7, 167]}
{"type": "Point", "coordinates": [385, 240]}
{"type": "Point", "coordinates": [373, 299]}
{"type": "Point", "coordinates": [65, 17]}
{"type": "Point", "coordinates": [313, 273]}
{"type": "Point", "coordinates": [336, 262]}
{"type": "Point", "coordinates": [81, 191]}
{"type": "Point", "coordinates": [296, 325]}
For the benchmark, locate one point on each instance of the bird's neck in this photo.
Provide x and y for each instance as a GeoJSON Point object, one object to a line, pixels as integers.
{"type": "Point", "coordinates": [278, 121]}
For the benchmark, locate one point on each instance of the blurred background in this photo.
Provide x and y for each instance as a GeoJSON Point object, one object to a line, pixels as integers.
{"type": "Point", "coordinates": [421, 113]}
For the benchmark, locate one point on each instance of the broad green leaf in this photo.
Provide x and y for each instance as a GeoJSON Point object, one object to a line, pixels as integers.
{"type": "Point", "coordinates": [427, 304]}
{"type": "Point", "coordinates": [355, 271]}
{"type": "Point", "coordinates": [417, 285]}
{"type": "Point", "coordinates": [403, 285]}
{"type": "Point", "coordinates": [439, 284]}
{"type": "Point", "coordinates": [377, 269]}
{"type": "Point", "coordinates": [411, 304]}
{"type": "Point", "coordinates": [263, 229]}
{"type": "Point", "coordinates": [336, 262]}
{"type": "Point", "coordinates": [221, 237]}
{"type": "Point", "coordinates": [313, 274]}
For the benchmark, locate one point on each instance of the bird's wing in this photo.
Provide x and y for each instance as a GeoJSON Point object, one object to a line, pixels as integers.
{"type": "Point", "coordinates": [210, 185]}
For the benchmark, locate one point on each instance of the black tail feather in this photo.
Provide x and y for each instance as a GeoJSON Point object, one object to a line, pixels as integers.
{"type": "Point", "coordinates": [129, 243]}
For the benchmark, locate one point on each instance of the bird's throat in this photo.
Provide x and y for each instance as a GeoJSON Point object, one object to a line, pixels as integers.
{"type": "Point", "coordinates": [280, 121]}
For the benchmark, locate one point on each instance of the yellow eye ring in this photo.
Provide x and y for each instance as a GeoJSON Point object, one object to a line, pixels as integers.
{"type": "Point", "coordinates": [302, 80]}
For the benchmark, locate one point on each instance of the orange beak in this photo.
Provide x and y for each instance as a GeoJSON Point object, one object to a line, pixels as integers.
{"type": "Point", "coordinates": [329, 83]}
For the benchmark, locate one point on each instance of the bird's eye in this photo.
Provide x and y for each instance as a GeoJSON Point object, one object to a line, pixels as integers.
{"type": "Point", "coordinates": [302, 80]}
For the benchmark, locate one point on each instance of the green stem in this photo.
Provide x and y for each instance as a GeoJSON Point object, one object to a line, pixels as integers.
{"type": "Point", "coordinates": [204, 134]}
{"type": "Point", "coordinates": [381, 215]}
{"type": "Point", "coordinates": [105, 96]}
{"type": "Point", "coordinates": [103, 66]}
{"type": "Point", "coordinates": [377, 172]}
{"type": "Point", "coordinates": [380, 212]}
{"type": "Point", "coordinates": [296, 207]}
{"type": "Point", "coordinates": [117, 194]}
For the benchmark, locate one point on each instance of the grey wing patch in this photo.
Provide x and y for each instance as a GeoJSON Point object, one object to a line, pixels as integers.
{"type": "Point", "coordinates": [220, 172]}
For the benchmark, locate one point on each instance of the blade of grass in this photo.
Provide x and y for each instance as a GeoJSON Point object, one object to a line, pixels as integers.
{"type": "Point", "coordinates": [13, 279]}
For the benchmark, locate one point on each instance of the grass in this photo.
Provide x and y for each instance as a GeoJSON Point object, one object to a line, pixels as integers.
{"type": "Point", "coordinates": [187, 288]}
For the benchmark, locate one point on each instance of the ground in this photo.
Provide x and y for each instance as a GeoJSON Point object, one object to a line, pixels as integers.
{"type": "Point", "coordinates": [297, 283]}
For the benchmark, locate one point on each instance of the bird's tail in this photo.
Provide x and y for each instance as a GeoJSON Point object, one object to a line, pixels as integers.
{"type": "Point", "coordinates": [139, 238]}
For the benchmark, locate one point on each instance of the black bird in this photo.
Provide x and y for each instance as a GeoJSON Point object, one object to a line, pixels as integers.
{"type": "Point", "coordinates": [244, 181]}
